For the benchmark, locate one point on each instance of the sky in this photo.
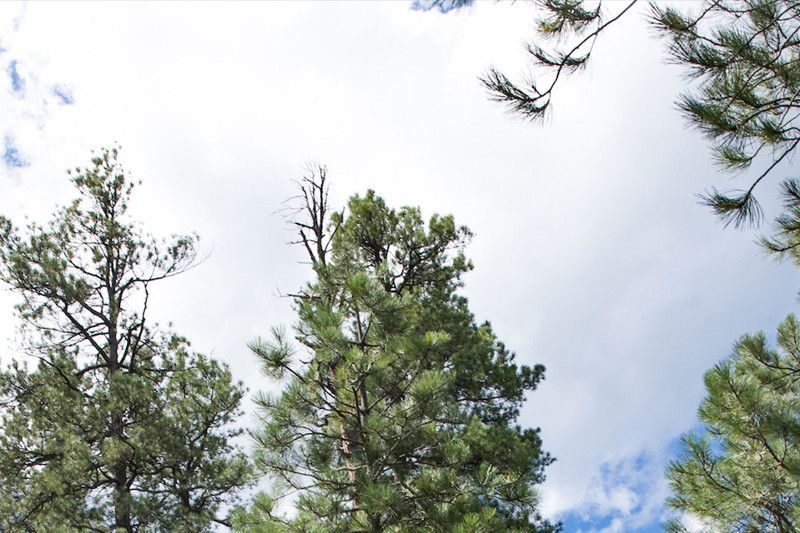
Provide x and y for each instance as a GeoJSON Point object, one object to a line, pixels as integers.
{"type": "Point", "coordinates": [592, 255]}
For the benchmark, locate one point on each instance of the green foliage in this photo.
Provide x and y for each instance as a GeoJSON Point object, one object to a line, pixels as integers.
{"type": "Point", "coordinates": [398, 412]}
{"type": "Point", "coordinates": [576, 26]}
{"type": "Point", "coordinates": [744, 56]}
{"type": "Point", "coordinates": [118, 426]}
{"type": "Point", "coordinates": [743, 473]}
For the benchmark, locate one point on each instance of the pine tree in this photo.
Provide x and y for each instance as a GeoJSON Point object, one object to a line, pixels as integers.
{"type": "Point", "coordinates": [742, 474]}
{"type": "Point", "coordinates": [119, 426]}
{"type": "Point", "coordinates": [397, 410]}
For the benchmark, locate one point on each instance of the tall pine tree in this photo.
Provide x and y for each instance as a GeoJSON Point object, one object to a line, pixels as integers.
{"type": "Point", "coordinates": [119, 426]}
{"type": "Point", "coordinates": [397, 410]}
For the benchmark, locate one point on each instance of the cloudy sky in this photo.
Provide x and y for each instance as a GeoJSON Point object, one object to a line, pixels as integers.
{"type": "Point", "coordinates": [592, 255]}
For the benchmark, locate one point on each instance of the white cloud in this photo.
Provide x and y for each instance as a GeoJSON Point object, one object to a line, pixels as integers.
{"type": "Point", "coordinates": [27, 94]}
{"type": "Point", "coordinates": [628, 494]}
{"type": "Point", "coordinates": [694, 524]}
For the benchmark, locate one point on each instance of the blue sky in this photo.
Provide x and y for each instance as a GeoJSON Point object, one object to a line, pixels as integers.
{"type": "Point", "coordinates": [15, 80]}
{"type": "Point", "coordinates": [592, 254]}
{"type": "Point", "coordinates": [573, 523]}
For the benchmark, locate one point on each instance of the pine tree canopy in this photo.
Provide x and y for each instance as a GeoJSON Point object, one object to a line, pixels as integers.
{"type": "Point", "coordinates": [743, 473]}
{"type": "Point", "coordinates": [118, 426]}
{"type": "Point", "coordinates": [397, 411]}
{"type": "Point", "coordinates": [742, 56]}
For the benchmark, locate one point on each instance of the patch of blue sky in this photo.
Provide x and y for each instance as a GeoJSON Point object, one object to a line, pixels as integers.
{"type": "Point", "coordinates": [12, 157]}
{"type": "Point", "coordinates": [575, 523]}
{"type": "Point", "coordinates": [17, 83]}
{"type": "Point", "coordinates": [625, 496]}
{"type": "Point", "coordinates": [63, 95]}
{"type": "Point", "coordinates": [443, 6]}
